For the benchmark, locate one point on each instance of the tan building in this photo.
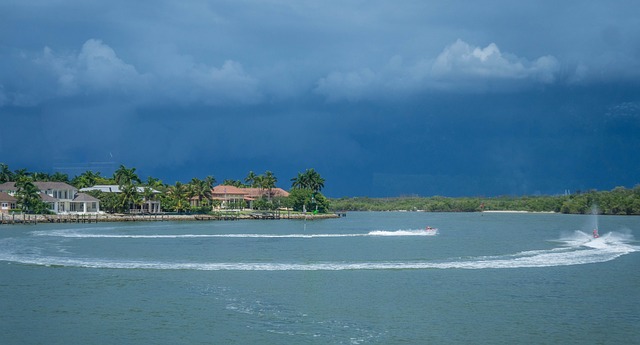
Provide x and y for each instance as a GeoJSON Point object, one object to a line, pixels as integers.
{"type": "Point", "coordinates": [231, 195]}
{"type": "Point", "coordinates": [257, 193]}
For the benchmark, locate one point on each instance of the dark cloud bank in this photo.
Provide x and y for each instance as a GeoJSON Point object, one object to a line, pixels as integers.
{"type": "Point", "coordinates": [424, 107]}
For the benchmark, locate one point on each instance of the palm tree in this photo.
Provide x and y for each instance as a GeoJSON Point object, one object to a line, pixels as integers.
{"type": "Point", "coordinates": [27, 194]}
{"type": "Point", "coordinates": [315, 181]}
{"type": "Point", "coordinates": [199, 189]}
{"type": "Point", "coordinates": [310, 180]}
{"type": "Point", "coordinates": [21, 173]}
{"type": "Point", "coordinates": [59, 177]}
{"type": "Point", "coordinates": [5, 174]}
{"type": "Point", "coordinates": [155, 183]}
{"type": "Point", "coordinates": [250, 180]}
{"type": "Point", "coordinates": [147, 196]}
{"type": "Point", "coordinates": [210, 181]}
{"type": "Point", "coordinates": [298, 182]}
{"type": "Point", "coordinates": [129, 196]}
{"type": "Point", "coordinates": [178, 194]}
{"type": "Point", "coordinates": [124, 176]}
{"type": "Point", "coordinates": [258, 182]}
{"type": "Point", "coordinates": [86, 179]}
{"type": "Point", "coordinates": [235, 183]}
{"type": "Point", "coordinates": [269, 182]}
{"type": "Point", "coordinates": [152, 181]}
{"type": "Point", "coordinates": [127, 180]}
{"type": "Point", "coordinates": [40, 176]}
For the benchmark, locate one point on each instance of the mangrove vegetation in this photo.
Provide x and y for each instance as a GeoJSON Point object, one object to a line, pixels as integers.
{"type": "Point", "coordinates": [619, 201]}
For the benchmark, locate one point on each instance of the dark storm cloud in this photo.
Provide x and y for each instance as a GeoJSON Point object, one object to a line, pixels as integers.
{"type": "Point", "coordinates": [383, 98]}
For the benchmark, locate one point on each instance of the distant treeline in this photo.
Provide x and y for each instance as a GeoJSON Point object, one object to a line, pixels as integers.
{"type": "Point", "coordinates": [619, 201]}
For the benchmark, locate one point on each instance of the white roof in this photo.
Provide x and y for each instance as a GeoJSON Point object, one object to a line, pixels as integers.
{"type": "Point", "coordinates": [113, 188]}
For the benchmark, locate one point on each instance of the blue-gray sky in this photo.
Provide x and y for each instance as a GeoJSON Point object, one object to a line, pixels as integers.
{"type": "Point", "coordinates": [383, 98]}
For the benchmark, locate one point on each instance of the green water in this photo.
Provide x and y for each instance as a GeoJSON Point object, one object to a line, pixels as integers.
{"type": "Point", "coordinates": [369, 278]}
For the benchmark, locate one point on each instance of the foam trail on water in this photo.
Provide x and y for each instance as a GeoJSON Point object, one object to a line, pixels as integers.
{"type": "Point", "coordinates": [548, 260]}
{"type": "Point", "coordinates": [421, 232]}
{"type": "Point", "coordinates": [580, 238]}
{"type": "Point", "coordinates": [538, 258]}
{"type": "Point", "coordinates": [79, 234]}
{"type": "Point", "coordinates": [576, 248]}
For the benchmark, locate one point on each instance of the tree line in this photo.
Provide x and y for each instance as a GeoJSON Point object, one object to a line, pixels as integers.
{"type": "Point", "coordinates": [304, 195]}
{"type": "Point", "coordinates": [619, 201]}
{"type": "Point", "coordinates": [193, 196]}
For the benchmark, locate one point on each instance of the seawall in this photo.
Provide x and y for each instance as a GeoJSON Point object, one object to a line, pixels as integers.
{"type": "Point", "coordinates": [117, 217]}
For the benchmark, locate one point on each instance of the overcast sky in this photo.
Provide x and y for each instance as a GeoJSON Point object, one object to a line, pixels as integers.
{"type": "Point", "coordinates": [382, 98]}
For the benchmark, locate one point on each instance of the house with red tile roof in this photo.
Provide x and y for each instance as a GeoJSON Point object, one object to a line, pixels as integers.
{"type": "Point", "coordinates": [257, 193]}
{"type": "Point", "coordinates": [231, 195]}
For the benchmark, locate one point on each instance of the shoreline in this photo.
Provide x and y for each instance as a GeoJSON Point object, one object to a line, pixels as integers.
{"type": "Point", "coordinates": [514, 211]}
{"type": "Point", "coordinates": [115, 218]}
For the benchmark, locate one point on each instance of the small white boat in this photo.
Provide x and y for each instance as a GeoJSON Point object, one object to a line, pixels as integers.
{"type": "Point", "coordinates": [430, 230]}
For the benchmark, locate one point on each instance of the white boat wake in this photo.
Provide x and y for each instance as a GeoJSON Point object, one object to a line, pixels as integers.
{"type": "Point", "coordinates": [82, 234]}
{"type": "Point", "coordinates": [575, 249]}
{"type": "Point", "coordinates": [420, 232]}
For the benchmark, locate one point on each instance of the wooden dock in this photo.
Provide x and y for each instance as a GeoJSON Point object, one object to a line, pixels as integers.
{"type": "Point", "coordinates": [69, 218]}
{"type": "Point", "coordinates": [18, 218]}
{"type": "Point", "coordinates": [221, 215]}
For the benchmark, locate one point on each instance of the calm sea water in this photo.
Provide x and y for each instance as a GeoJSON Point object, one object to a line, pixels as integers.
{"type": "Point", "coordinates": [369, 278]}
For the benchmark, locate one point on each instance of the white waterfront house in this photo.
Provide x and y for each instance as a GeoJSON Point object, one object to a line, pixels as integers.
{"type": "Point", "coordinates": [147, 206]}
{"type": "Point", "coordinates": [61, 197]}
